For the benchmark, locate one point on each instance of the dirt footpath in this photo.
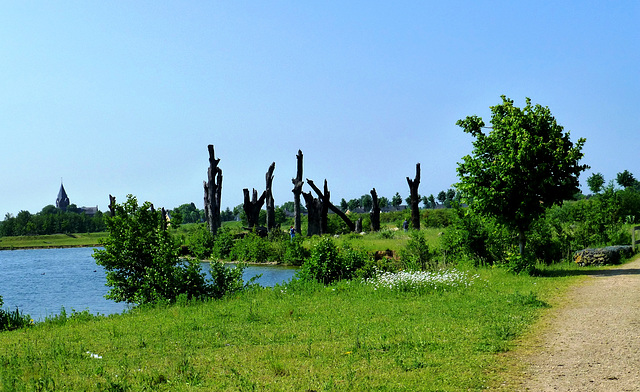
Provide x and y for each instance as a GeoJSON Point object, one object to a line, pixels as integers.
{"type": "Point", "coordinates": [592, 341]}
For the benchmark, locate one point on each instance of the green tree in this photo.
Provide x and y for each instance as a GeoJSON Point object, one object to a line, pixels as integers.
{"type": "Point", "coordinates": [383, 202]}
{"type": "Point", "coordinates": [366, 201]}
{"type": "Point", "coordinates": [625, 179]}
{"type": "Point", "coordinates": [595, 182]}
{"type": "Point", "coordinates": [525, 164]}
{"type": "Point", "coordinates": [432, 201]}
{"type": "Point", "coordinates": [141, 259]}
{"type": "Point", "coordinates": [442, 197]}
{"type": "Point", "coordinates": [396, 200]}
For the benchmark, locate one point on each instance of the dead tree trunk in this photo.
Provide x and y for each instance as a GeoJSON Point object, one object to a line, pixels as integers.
{"type": "Point", "coordinates": [358, 225]}
{"type": "Point", "coordinates": [271, 209]}
{"type": "Point", "coordinates": [112, 205]}
{"type": "Point", "coordinates": [375, 212]}
{"type": "Point", "coordinates": [297, 191]}
{"type": "Point", "coordinates": [213, 193]}
{"type": "Point", "coordinates": [253, 206]}
{"type": "Point", "coordinates": [415, 198]}
{"type": "Point", "coordinates": [314, 214]}
{"type": "Point", "coordinates": [325, 198]}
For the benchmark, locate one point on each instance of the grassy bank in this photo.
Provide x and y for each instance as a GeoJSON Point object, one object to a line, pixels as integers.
{"type": "Point", "coordinates": [51, 241]}
{"type": "Point", "coordinates": [305, 337]}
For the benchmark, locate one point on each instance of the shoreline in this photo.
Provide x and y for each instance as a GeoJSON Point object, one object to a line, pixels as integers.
{"type": "Point", "coordinates": [48, 247]}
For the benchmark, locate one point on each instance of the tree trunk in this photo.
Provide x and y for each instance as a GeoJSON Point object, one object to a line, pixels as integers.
{"type": "Point", "coordinates": [358, 225]}
{"type": "Point", "coordinates": [271, 210]}
{"type": "Point", "coordinates": [415, 198]}
{"type": "Point", "coordinates": [314, 214]}
{"type": "Point", "coordinates": [522, 240]}
{"type": "Point", "coordinates": [253, 206]}
{"type": "Point", "coordinates": [213, 193]}
{"type": "Point", "coordinates": [297, 191]}
{"type": "Point", "coordinates": [325, 199]}
{"type": "Point", "coordinates": [112, 205]}
{"type": "Point", "coordinates": [375, 211]}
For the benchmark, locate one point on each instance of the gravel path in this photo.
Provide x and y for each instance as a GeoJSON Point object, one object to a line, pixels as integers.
{"type": "Point", "coordinates": [592, 341]}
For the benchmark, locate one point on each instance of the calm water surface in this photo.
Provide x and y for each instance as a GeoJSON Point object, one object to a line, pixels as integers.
{"type": "Point", "coordinates": [42, 281]}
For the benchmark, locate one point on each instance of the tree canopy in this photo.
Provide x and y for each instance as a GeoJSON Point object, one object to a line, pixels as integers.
{"type": "Point", "coordinates": [525, 164]}
{"type": "Point", "coordinates": [595, 182]}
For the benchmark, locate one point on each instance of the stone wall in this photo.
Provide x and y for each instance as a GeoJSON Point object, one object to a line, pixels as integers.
{"type": "Point", "coordinates": [602, 256]}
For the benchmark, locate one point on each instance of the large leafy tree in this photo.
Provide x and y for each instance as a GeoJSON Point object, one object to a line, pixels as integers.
{"type": "Point", "coordinates": [523, 165]}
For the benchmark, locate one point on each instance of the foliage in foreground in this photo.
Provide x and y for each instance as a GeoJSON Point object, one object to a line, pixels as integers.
{"type": "Point", "coordinates": [297, 337]}
{"type": "Point", "coordinates": [10, 320]}
{"type": "Point", "coordinates": [142, 261]}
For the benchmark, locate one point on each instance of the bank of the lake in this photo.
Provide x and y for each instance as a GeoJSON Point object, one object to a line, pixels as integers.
{"type": "Point", "coordinates": [52, 241]}
{"type": "Point", "coordinates": [40, 282]}
{"type": "Point", "coordinates": [346, 337]}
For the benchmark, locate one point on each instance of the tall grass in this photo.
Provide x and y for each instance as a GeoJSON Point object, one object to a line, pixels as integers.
{"type": "Point", "coordinates": [299, 337]}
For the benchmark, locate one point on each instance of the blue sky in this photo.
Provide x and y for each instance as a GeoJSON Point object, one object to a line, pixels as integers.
{"type": "Point", "coordinates": [124, 97]}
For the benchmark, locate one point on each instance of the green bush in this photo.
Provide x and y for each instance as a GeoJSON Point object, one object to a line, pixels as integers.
{"type": "Point", "coordinates": [473, 238]}
{"type": "Point", "coordinates": [222, 243]}
{"type": "Point", "coordinates": [327, 263]}
{"type": "Point", "coordinates": [12, 320]}
{"type": "Point", "coordinates": [251, 248]}
{"type": "Point", "coordinates": [441, 217]}
{"type": "Point", "coordinates": [295, 252]}
{"type": "Point", "coordinates": [142, 260]}
{"type": "Point", "coordinates": [517, 263]}
{"type": "Point", "coordinates": [226, 280]}
{"type": "Point", "coordinates": [200, 242]}
{"type": "Point", "coordinates": [416, 254]}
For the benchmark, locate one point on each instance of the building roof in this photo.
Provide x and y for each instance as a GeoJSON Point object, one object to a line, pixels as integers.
{"type": "Point", "coordinates": [63, 200]}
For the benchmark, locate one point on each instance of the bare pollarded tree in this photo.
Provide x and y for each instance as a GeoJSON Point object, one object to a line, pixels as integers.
{"type": "Point", "coordinates": [314, 214]}
{"type": "Point", "coordinates": [252, 206]}
{"type": "Point", "coordinates": [270, 205]}
{"type": "Point", "coordinates": [415, 198]}
{"type": "Point", "coordinates": [375, 211]}
{"type": "Point", "coordinates": [213, 192]}
{"type": "Point", "coordinates": [324, 197]}
{"type": "Point", "coordinates": [297, 191]}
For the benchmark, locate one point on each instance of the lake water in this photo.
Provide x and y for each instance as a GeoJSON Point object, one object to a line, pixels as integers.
{"type": "Point", "coordinates": [42, 281]}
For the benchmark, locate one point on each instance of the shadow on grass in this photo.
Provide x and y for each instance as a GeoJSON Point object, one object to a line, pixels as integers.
{"type": "Point", "coordinates": [574, 270]}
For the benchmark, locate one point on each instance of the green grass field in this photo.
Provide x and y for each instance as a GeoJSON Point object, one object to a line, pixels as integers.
{"type": "Point", "coordinates": [305, 337]}
{"type": "Point", "coordinates": [51, 241]}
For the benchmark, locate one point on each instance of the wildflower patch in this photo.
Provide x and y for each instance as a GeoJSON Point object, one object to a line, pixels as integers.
{"type": "Point", "coordinates": [422, 281]}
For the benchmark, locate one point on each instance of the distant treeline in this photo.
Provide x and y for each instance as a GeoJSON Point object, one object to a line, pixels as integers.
{"type": "Point", "coordinates": [51, 220]}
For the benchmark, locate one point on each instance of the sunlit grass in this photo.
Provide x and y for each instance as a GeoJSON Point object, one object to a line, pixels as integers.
{"type": "Point", "coordinates": [345, 337]}
{"type": "Point", "coordinates": [51, 241]}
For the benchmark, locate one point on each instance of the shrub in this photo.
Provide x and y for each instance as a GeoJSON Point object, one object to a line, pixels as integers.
{"type": "Point", "coordinates": [327, 263]}
{"type": "Point", "coordinates": [473, 238]}
{"type": "Point", "coordinates": [142, 260]}
{"type": "Point", "coordinates": [416, 254]}
{"type": "Point", "coordinates": [222, 243]}
{"type": "Point", "coordinates": [295, 252]}
{"type": "Point", "coordinates": [442, 217]}
{"type": "Point", "coordinates": [251, 248]}
{"type": "Point", "coordinates": [200, 242]}
{"type": "Point", "coordinates": [13, 320]}
{"type": "Point", "coordinates": [517, 263]}
{"type": "Point", "coordinates": [226, 280]}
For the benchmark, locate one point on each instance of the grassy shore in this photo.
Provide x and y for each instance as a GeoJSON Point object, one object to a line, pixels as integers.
{"type": "Point", "coordinates": [302, 337]}
{"type": "Point", "coordinates": [51, 241]}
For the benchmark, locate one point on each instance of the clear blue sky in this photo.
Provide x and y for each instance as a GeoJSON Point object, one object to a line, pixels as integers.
{"type": "Point", "coordinates": [124, 97]}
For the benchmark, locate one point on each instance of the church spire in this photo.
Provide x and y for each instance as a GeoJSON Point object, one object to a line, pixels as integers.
{"type": "Point", "coordinates": [62, 202]}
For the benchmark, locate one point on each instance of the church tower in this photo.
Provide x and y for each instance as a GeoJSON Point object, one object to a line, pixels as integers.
{"type": "Point", "coordinates": [62, 202]}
